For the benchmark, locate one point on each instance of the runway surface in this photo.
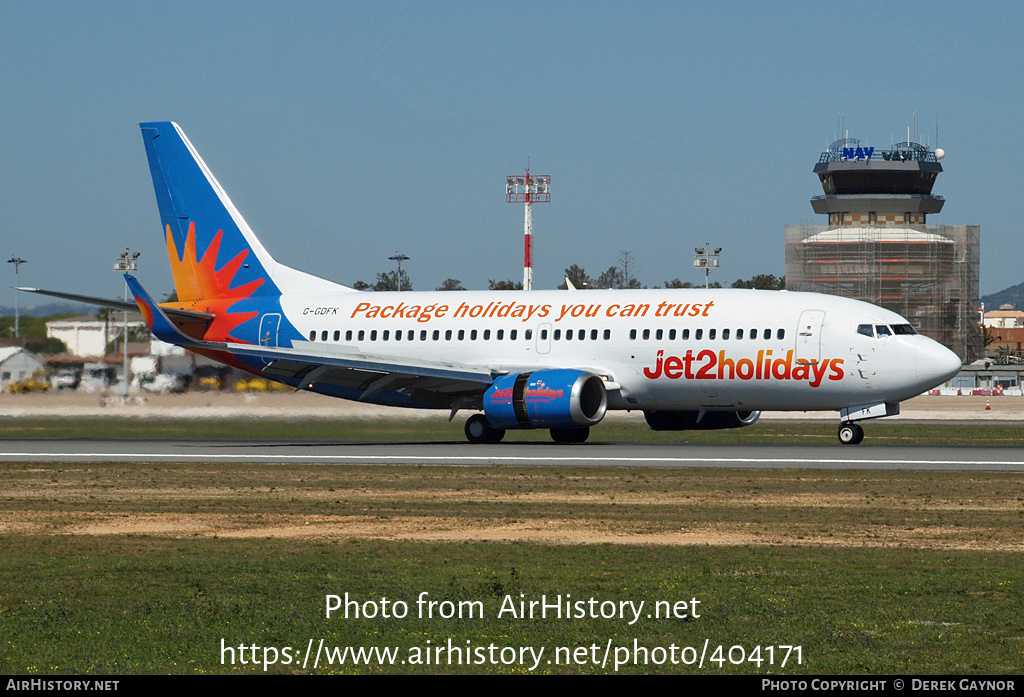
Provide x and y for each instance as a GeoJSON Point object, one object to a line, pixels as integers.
{"type": "Point", "coordinates": [881, 457]}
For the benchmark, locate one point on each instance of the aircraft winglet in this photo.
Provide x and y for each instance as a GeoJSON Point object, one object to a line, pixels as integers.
{"type": "Point", "coordinates": [156, 320]}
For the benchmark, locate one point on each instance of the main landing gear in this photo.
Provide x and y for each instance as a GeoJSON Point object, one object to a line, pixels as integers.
{"type": "Point", "coordinates": [850, 434]}
{"type": "Point", "coordinates": [479, 431]}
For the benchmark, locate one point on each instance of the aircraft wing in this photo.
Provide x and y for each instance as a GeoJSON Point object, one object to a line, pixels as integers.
{"type": "Point", "coordinates": [430, 383]}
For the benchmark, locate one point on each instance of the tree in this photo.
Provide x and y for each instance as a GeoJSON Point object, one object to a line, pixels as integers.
{"type": "Point", "coordinates": [578, 277]}
{"type": "Point", "coordinates": [507, 284]}
{"type": "Point", "coordinates": [451, 284]}
{"type": "Point", "coordinates": [612, 278]}
{"type": "Point", "coordinates": [389, 280]}
{"type": "Point", "coordinates": [676, 283]}
{"type": "Point", "coordinates": [762, 281]}
{"type": "Point", "coordinates": [626, 261]}
{"type": "Point", "coordinates": [621, 275]}
{"type": "Point", "coordinates": [386, 280]}
{"type": "Point", "coordinates": [49, 346]}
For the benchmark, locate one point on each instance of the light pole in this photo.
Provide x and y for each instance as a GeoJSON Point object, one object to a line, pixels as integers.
{"type": "Point", "coordinates": [706, 260]}
{"type": "Point", "coordinates": [399, 258]}
{"type": "Point", "coordinates": [123, 264]}
{"type": "Point", "coordinates": [17, 261]}
{"type": "Point", "coordinates": [529, 189]}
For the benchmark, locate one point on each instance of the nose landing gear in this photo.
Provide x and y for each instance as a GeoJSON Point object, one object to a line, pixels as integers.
{"type": "Point", "coordinates": [850, 434]}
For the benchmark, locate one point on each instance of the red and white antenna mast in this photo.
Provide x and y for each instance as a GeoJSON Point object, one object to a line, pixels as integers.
{"type": "Point", "coordinates": [528, 189]}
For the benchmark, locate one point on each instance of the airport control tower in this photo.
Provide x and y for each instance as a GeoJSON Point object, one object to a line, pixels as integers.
{"type": "Point", "coordinates": [879, 247]}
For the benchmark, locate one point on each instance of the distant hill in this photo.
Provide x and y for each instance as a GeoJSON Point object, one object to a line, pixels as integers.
{"type": "Point", "coordinates": [1014, 295]}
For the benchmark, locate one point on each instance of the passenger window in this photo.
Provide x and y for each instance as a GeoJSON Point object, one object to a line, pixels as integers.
{"type": "Point", "coordinates": [423, 335]}
{"type": "Point", "coordinates": [312, 335]}
{"type": "Point", "coordinates": [658, 335]}
{"type": "Point", "coordinates": [398, 335]}
{"type": "Point", "coordinates": [512, 334]}
{"type": "Point", "coordinates": [472, 335]}
{"type": "Point", "coordinates": [373, 335]}
{"type": "Point", "coordinates": [882, 330]}
{"type": "Point", "coordinates": [607, 334]}
{"type": "Point", "coordinates": [411, 335]}
{"type": "Point", "coordinates": [385, 335]}
{"type": "Point", "coordinates": [739, 334]}
{"type": "Point", "coordinates": [780, 334]}
{"type": "Point", "coordinates": [725, 334]}
{"type": "Point", "coordinates": [337, 335]}
{"type": "Point", "coordinates": [866, 330]}
{"type": "Point", "coordinates": [501, 334]}
{"type": "Point", "coordinates": [711, 334]}
{"type": "Point", "coordinates": [568, 335]}
{"type": "Point", "coordinates": [632, 334]}
{"type": "Point", "coordinates": [698, 334]}
{"type": "Point", "coordinates": [686, 335]}
{"type": "Point", "coordinates": [447, 334]}
{"type": "Point", "coordinates": [529, 334]}
{"type": "Point", "coordinates": [557, 334]}
{"type": "Point", "coordinates": [753, 334]}
{"type": "Point", "coordinates": [767, 333]}
{"type": "Point", "coordinates": [462, 335]}
{"type": "Point", "coordinates": [487, 335]}
{"type": "Point", "coordinates": [362, 334]}
{"type": "Point", "coordinates": [647, 334]}
{"type": "Point", "coordinates": [671, 334]}
{"type": "Point", "coordinates": [436, 335]}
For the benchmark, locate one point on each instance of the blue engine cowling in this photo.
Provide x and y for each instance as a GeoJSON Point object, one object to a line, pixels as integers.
{"type": "Point", "coordinates": [688, 420]}
{"type": "Point", "coordinates": [546, 399]}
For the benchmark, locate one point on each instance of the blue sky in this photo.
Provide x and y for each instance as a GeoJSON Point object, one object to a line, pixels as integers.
{"type": "Point", "coordinates": [345, 131]}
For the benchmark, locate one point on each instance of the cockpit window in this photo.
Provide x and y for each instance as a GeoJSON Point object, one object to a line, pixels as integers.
{"type": "Point", "coordinates": [903, 329]}
{"type": "Point", "coordinates": [883, 330]}
{"type": "Point", "coordinates": [866, 330]}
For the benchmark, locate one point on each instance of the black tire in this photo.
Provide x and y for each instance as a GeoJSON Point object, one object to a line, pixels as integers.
{"type": "Point", "coordinates": [479, 431]}
{"type": "Point", "coordinates": [570, 435]}
{"type": "Point", "coordinates": [851, 434]}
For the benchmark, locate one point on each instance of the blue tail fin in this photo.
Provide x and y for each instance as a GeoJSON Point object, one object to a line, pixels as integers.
{"type": "Point", "coordinates": [214, 254]}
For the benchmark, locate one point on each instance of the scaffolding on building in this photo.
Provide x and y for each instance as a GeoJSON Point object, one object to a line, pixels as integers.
{"type": "Point", "coordinates": [926, 273]}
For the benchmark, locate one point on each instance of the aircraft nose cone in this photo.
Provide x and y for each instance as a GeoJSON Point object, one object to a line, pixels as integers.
{"type": "Point", "coordinates": [936, 364]}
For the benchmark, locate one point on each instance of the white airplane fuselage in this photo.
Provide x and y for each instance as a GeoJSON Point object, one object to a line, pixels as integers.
{"type": "Point", "coordinates": [663, 349]}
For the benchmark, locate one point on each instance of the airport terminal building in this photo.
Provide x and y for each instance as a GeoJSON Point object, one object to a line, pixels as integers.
{"type": "Point", "coordinates": [879, 247]}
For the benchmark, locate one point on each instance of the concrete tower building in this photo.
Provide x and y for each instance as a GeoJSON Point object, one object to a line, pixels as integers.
{"type": "Point", "coordinates": [879, 247]}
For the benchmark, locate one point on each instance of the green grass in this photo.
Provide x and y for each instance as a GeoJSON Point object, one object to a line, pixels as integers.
{"type": "Point", "coordinates": [878, 432]}
{"type": "Point", "coordinates": [152, 605]}
{"type": "Point", "coordinates": [890, 572]}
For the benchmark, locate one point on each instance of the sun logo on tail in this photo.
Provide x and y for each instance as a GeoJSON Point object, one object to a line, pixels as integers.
{"type": "Point", "coordinates": [202, 287]}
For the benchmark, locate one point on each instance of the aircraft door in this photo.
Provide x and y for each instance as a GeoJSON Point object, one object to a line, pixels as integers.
{"type": "Point", "coordinates": [544, 338]}
{"type": "Point", "coordinates": [808, 335]}
{"type": "Point", "coordinates": [269, 326]}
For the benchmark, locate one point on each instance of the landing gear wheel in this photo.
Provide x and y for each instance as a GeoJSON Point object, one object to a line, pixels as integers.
{"type": "Point", "coordinates": [570, 435]}
{"type": "Point", "coordinates": [479, 431]}
{"type": "Point", "coordinates": [851, 434]}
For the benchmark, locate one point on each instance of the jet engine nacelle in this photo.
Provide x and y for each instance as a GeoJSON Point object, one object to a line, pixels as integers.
{"type": "Point", "coordinates": [687, 420]}
{"type": "Point", "coordinates": [546, 399]}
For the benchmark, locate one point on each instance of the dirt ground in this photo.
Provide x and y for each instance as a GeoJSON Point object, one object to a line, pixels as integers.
{"type": "Point", "coordinates": [900, 510]}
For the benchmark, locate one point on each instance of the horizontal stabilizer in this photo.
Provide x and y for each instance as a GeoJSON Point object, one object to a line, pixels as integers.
{"type": "Point", "coordinates": [190, 322]}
